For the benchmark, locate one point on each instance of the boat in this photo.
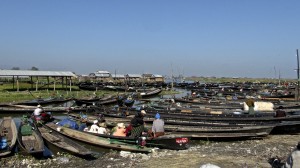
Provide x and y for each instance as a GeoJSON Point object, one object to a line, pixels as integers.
{"type": "Point", "coordinates": [223, 136]}
{"type": "Point", "coordinates": [226, 129]}
{"type": "Point", "coordinates": [41, 101]}
{"type": "Point", "coordinates": [8, 136]}
{"type": "Point", "coordinates": [30, 141]}
{"type": "Point", "coordinates": [146, 93]}
{"type": "Point", "coordinates": [23, 109]}
{"type": "Point", "coordinates": [167, 141]}
{"type": "Point", "coordinates": [211, 130]}
{"type": "Point", "coordinates": [98, 141]}
{"type": "Point", "coordinates": [125, 100]}
{"type": "Point", "coordinates": [96, 100]}
{"type": "Point", "coordinates": [80, 102]}
{"type": "Point", "coordinates": [62, 142]}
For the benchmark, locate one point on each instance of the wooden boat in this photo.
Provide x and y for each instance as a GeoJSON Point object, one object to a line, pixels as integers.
{"type": "Point", "coordinates": [99, 141]}
{"type": "Point", "coordinates": [40, 101]}
{"type": "Point", "coordinates": [145, 93]}
{"type": "Point", "coordinates": [217, 131]}
{"type": "Point", "coordinates": [96, 100]}
{"type": "Point", "coordinates": [80, 102]}
{"type": "Point", "coordinates": [90, 86]}
{"type": "Point", "coordinates": [228, 129]}
{"type": "Point", "coordinates": [112, 100]}
{"type": "Point", "coordinates": [222, 136]}
{"type": "Point", "coordinates": [191, 119]}
{"type": "Point", "coordinates": [29, 139]}
{"type": "Point", "coordinates": [29, 109]}
{"type": "Point", "coordinates": [8, 136]}
{"type": "Point", "coordinates": [63, 142]}
{"type": "Point", "coordinates": [167, 141]}
{"type": "Point", "coordinates": [287, 127]}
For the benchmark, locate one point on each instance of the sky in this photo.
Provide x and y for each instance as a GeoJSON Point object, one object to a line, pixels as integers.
{"type": "Point", "coordinates": [221, 38]}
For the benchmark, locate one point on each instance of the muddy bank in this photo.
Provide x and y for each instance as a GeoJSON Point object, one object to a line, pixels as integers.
{"type": "Point", "coordinates": [249, 153]}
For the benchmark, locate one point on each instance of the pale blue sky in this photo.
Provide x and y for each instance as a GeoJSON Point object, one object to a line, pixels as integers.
{"type": "Point", "coordinates": [230, 38]}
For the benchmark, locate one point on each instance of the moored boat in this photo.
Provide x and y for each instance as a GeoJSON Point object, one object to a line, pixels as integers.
{"type": "Point", "coordinates": [99, 141]}
{"type": "Point", "coordinates": [29, 139]}
{"type": "Point", "coordinates": [63, 142]}
{"type": "Point", "coordinates": [8, 136]}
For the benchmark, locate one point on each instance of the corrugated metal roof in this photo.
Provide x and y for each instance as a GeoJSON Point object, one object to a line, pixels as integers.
{"type": "Point", "coordinates": [118, 76]}
{"type": "Point", "coordinates": [35, 73]}
{"type": "Point", "coordinates": [158, 76]}
{"type": "Point", "coordinates": [102, 72]}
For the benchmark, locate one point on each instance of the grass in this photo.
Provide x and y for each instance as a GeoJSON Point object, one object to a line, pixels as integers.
{"type": "Point", "coordinates": [8, 94]}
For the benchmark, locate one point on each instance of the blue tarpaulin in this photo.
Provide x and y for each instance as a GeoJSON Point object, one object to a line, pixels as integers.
{"type": "Point", "coordinates": [68, 123]}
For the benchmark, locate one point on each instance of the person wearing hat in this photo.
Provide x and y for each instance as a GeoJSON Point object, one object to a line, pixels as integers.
{"type": "Point", "coordinates": [82, 123]}
{"type": "Point", "coordinates": [40, 115]}
{"type": "Point", "coordinates": [157, 127]}
{"type": "Point", "coordinates": [96, 129]}
{"type": "Point", "coordinates": [38, 111]}
{"type": "Point", "coordinates": [137, 124]}
{"type": "Point", "coordinates": [250, 103]}
{"type": "Point", "coordinates": [120, 130]}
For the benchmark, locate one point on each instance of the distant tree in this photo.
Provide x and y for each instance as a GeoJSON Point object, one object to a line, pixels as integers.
{"type": "Point", "coordinates": [15, 68]}
{"type": "Point", "coordinates": [34, 68]}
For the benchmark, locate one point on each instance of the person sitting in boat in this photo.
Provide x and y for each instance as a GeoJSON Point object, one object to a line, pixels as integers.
{"type": "Point", "coordinates": [38, 111]}
{"type": "Point", "coordinates": [250, 104]}
{"type": "Point", "coordinates": [119, 130]}
{"type": "Point", "coordinates": [82, 123]}
{"type": "Point", "coordinates": [280, 112]}
{"type": "Point", "coordinates": [157, 127]}
{"type": "Point", "coordinates": [39, 114]}
{"type": "Point", "coordinates": [137, 124]}
{"type": "Point", "coordinates": [96, 129]}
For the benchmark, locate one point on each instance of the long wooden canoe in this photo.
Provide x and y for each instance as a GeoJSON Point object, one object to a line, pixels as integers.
{"type": "Point", "coordinates": [9, 132]}
{"type": "Point", "coordinates": [99, 141]}
{"type": "Point", "coordinates": [63, 142]}
{"type": "Point", "coordinates": [30, 140]}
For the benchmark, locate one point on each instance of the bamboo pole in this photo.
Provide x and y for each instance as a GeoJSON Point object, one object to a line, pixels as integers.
{"type": "Point", "coordinates": [298, 75]}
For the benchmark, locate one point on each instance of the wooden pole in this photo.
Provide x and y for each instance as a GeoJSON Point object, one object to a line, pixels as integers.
{"type": "Point", "coordinates": [70, 84]}
{"type": "Point", "coordinates": [298, 75]}
{"type": "Point", "coordinates": [13, 82]}
{"type": "Point", "coordinates": [18, 87]}
{"type": "Point", "coordinates": [31, 82]}
{"type": "Point", "coordinates": [36, 85]}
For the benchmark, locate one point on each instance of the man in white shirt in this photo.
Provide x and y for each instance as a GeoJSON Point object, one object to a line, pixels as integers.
{"type": "Point", "coordinates": [38, 111]}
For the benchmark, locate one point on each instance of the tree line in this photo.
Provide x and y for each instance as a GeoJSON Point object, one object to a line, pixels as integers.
{"type": "Point", "coordinates": [32, 68]}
